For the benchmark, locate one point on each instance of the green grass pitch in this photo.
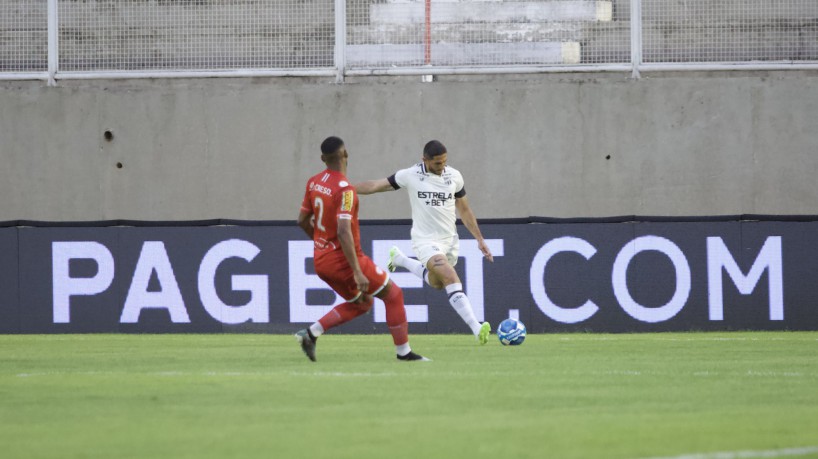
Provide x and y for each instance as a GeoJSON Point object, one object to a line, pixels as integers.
{"type": "Point", "coordinates": [681, 395]}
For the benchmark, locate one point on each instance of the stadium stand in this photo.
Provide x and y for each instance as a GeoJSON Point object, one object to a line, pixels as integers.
{"type": "Point", "coordinates": [97, 35]}
{"type": "Point", "coordinates": [483, 32]}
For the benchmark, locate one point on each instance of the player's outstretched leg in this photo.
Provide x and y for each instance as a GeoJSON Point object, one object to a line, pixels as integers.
{"type": "Point", "coordinates": [483, 335]}
{"type": "Point", "coordinates": [461, 304]}
{"type": "Point", "coordinates": [394, 252]}
{"type": "Point", "coordinates": [307, 341]}
{"type": "Point", "coordinates": [338, 315]}
{"type": "Point", "coordinates": [399, 259]}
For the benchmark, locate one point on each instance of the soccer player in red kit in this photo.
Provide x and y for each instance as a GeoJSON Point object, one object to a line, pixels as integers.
{"type": "Point", "coordinates": [329, 215]}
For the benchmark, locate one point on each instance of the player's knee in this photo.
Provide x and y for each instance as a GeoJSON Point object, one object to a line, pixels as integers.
{"type": "Point", "coordinates": [364, 303]}
{"type": "Point", "coordinates": [443, 275]}
{"type": "Point", "coordinates": [434, 279]}
{"type": "Point", "coordinates": [391, 292]}
{"type": "Point", "coordinates": [450, 277]}
{"type": "Point", "coordinates": [392, 297]}
{"type": "Point", "coordinates": [435, 282]}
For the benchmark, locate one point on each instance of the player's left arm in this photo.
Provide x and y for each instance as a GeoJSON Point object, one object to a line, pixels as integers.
{"type": "Point", "coordinates": [304, 221]}
{"type": "Point", "coordinates": [347, 241]}
{"type": "Point", "coordinates": [468, 218]}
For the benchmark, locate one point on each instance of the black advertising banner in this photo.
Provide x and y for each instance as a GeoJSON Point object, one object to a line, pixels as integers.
{"type": "Point", "coordinates": [9, 292]}
{"type": "Point", "coordinates": [562, 277]}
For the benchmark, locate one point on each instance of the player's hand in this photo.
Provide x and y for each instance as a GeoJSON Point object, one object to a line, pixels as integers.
{"type": "Point", "coordinates": [361, 281]}
{"type": "Point", "coordinates": [485, 249]}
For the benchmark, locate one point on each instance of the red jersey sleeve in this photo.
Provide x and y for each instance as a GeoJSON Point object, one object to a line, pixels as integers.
{"type": "Point", "coordinates": [346, 202]}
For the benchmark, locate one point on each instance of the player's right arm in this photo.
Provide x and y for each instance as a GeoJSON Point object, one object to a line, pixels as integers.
{"type": "Point", "coordinates": [305, 215]}
{"type": "Point", "coordinates": [393, 182]}
{"type": "Point", "coordinates": [374, 186]}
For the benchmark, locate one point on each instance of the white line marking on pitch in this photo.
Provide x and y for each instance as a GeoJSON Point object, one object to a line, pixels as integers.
{"type": "Point", "coordinates": [341, 374]}
{"type": "Point", "coordinates": [776, 374]}
{"type": "Point", "coordinates": [747, 454]}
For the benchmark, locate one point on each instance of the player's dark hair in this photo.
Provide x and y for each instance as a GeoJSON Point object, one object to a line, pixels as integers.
{"type": "Point", "coordinates": [433, 148]}
{"type": "Point", "coordinates": [331, 144]}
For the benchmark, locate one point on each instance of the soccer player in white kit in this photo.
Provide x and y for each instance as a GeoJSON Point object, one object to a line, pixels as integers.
{"type": "Point", "coordinates": [436, 194]}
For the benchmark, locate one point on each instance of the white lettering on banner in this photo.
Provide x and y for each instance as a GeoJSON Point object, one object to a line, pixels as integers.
{"type": "Point", "coordinates": [380, 251]}
{"type": "Point", "coordinates": [258, 308]}
{"type": "Point", "coordinates": [769, 258]}
{"type": "Point", "coordinates": [718, 257]}
{"type": "Point", "coordinates": [64, 286]}
{"type": "Point", "coordinates": [537, 279]}
{"type": "Point", "coordinates": [298, 253]}
{"type": "Point", "coordinates": [620, 280]}
{"type": "Point", "coordinates": [154, 257]}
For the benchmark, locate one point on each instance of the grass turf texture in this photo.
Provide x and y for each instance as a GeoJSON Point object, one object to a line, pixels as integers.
{"type": "Point", "coordinates": [557, 396]}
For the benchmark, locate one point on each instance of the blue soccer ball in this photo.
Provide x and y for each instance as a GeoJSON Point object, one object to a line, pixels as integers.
{"type": "Point", "coordinates": [511, 332]}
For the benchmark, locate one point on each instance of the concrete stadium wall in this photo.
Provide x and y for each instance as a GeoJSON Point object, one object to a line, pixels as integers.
{"type": "Point", "coordinates": [544, 145]}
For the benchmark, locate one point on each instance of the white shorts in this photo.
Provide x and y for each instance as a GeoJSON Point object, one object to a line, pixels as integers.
{"type": "Point", "coordinates": [427, 248]}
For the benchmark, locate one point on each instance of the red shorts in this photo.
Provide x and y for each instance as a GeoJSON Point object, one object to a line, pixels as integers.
{"type": "Point", "coordinates": [334, 269]}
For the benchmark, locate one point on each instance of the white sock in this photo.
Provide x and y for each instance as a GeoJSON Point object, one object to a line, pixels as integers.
{"type": "Point", "coordinates": [317, 329]}
{"type": "Point", "coordinates": [414, 266]}
{"type": "Point", "coordinates": [460, 302]}
{"type": "Point", "coordinates": [403, 349]}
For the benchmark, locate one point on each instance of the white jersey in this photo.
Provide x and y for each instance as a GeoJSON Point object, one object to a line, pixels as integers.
{"type": "Point", "coordinates": [432, 199]}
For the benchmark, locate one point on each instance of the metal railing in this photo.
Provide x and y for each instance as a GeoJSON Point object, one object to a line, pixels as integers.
{"type": "Point", "coordinates": [84, 39]}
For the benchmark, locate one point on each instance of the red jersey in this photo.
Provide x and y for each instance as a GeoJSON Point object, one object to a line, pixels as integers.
{"type": "Point", "coordinates": [329, 197]}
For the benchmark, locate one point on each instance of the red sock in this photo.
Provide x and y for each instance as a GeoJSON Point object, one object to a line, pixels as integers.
{"type": "Point", "coordinates": [343, 313]}
{"type": "Point", "coordinates": [396, 315]}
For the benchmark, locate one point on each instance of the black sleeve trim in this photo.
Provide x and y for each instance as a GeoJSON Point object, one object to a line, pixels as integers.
{"type": "Point", "coordinates": [393, 182]}
{"type": "Point", "coordinates": [460, 193]}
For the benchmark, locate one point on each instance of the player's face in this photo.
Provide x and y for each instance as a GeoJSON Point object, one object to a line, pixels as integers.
{"type": "Point", "coordinates": [435, 165]}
